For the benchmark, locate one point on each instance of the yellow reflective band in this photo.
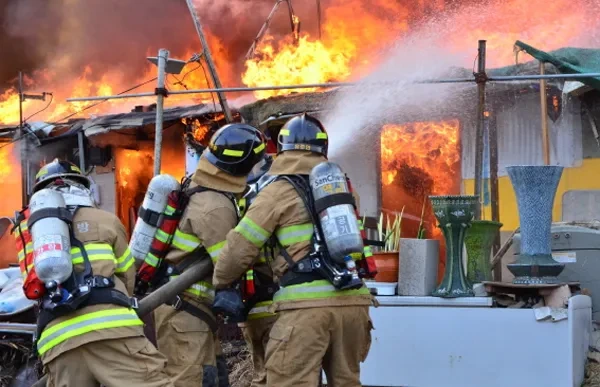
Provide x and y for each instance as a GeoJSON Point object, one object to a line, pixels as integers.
{"type": "Point", "coordinates": [252, 232]}
{"type": "Point", "coordinates": [367, 251]}
{"type": "Point", "coordinates": [124, 262]}
{"type": "Point", "coordinates": [200, 289]}
{"type": "Point", "coordinates": [290, 235]}
{"type": "Point", "coordinates": [77, 326]}
{"type": "Point", "coordinates": [241, 204]}
{"type": "Point", "coordinates": [152, 260]}
{"type": "Point", "coordinates": [95, 252]}
{"type": "Point", "coordinates": [185, 242]}
{"type": "Point", "coordinates": [320, 289]}
{"type": "Point", "coordinates": [169, 210]}
{"type": "Point", "coordinates": [321, 136]}
{"type": "Point", "coordinates": [260, 310]}
{"type": "Point", "coordinates": [22, 252]}
{"type": "Point", "coordinates": [233, 153]}
{"type": "Point", "coordinates": [162, 236]}
{"type": "Point", "coordinates": [215, 250]}
{"type": "Point", "coordinates": [259, 148]}
{"type": "Point", "coordinates": [250, 274]}
{"type": "Point", "coordinates": [23, 227]}
{"type": "Point", "coordinates": [284, 132]}
{"type": "Point", "coordinates": [41, 172]}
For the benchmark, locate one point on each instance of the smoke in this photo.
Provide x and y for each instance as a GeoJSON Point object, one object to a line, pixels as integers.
{"type": "Point", "coordinates": [66, 36]}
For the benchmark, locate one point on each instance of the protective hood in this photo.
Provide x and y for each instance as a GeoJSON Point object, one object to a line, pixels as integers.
{"type": "Point", "coordinates": [209, 176]}
{"type": "Point", "coordinates": [295, 163]}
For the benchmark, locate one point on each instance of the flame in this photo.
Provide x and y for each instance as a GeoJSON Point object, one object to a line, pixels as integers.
{"type": "Point", "coordinates": [10, 179]}
{"type": "Point", "coordinates": [418, 160]}
{"type": "Point", "coordinates": [421, 149]}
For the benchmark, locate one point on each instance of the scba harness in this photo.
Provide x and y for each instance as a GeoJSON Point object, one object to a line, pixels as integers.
{"type": "Point", "coordinates": [156, 271]}
{"type": "Point", "coordinates": [81, 289]}
{"type": "Point", "coordinates": [318, 265]}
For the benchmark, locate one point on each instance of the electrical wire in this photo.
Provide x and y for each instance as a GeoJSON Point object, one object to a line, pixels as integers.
{"type": "Point", "coordinates": [38, 112]}
{"type": "Point", "coordinates": [80, 111]}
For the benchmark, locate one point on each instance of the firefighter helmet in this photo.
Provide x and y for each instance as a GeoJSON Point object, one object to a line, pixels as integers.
{"type": "Point", "coordinates": [303, 132]}
{"type": "Point", "coordinates": [59, 169]}
{"type": "Point", "coordinates": [236, 148]}
{"type": "Point", "coordinates": [260, 169]}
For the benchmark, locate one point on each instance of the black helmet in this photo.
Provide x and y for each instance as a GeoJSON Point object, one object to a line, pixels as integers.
{"type": "Point", "coordinates": [260, 169]}
{"type": "Point", "coordinates": [236, 148]}
{"type": "Point", "coordinates": [303, 132]}
{"type": "Point", "coordinates": [59, 169]}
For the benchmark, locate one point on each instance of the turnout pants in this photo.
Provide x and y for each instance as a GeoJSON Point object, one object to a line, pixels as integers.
{"type": "Point", "coordinates": [190, 346]}
{"type": "Point", "coordinates": [302, 341]}
{"type": "Point", "coordinates": [132, 362]}
{"type": "Point", "coordinates": [256, 334]}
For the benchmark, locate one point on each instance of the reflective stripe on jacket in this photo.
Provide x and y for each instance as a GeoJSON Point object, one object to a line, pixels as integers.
{"type": "Point", "coordinates": [207, 219]}
{"type": "Point", "coordinates": [105, 242]}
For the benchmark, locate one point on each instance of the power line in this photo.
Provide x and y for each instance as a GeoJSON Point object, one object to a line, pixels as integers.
{"type": "Point", "coordinates": [38, 112]}
{"type": "Point", "coordinates": [77, 112]}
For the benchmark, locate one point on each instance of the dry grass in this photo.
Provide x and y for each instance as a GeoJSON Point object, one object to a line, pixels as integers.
{"type": "Point", "coordinates": [239, 363]}
{"type": "Point", "coordinates": [13, 354]}
{"type": "Point", "coordinates": [592, 371]}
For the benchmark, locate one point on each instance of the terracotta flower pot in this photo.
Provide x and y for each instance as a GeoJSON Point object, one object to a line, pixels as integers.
{"type": "Point", "coordinates": [388, 265]}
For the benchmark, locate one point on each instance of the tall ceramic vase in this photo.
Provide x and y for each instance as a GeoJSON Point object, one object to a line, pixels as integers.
{"type": "Point", "coordinates": [454, 215]}
{"type": "Point", "coordinates": [535, 188]}
{"type": "Point", "coordinates": [479, 242]}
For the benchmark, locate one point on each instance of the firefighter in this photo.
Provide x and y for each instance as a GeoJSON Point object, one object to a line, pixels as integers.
{"type": "Point", "coordinates": [102, 340]}
{"type": "Point", "coordinates": [317, 325]}
{"type": "Point", "coordinates": [186, 328]}
{"type": "Point", "coordinates": [259, 320]}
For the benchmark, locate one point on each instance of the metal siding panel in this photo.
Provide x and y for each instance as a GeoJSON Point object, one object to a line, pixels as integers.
{"type": "Point", "coordinates": [519, 136]}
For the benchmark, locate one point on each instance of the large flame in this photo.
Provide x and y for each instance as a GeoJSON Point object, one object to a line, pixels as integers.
{"type": "Point", "coordinates": [10, 179]}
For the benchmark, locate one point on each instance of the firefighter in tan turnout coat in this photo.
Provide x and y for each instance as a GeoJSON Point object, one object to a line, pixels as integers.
{"type": "Point", "coordinates": [102, 341]}
{"type": "Point", "coordinates": [186, 329]}
{"type": "Point", "coordinates": [317, 325]}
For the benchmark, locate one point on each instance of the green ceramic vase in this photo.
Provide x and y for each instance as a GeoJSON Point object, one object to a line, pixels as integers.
{"type": "Point", "coordinates": [454, 215]}
{"type": "Point", "coordinates": [479, 242]}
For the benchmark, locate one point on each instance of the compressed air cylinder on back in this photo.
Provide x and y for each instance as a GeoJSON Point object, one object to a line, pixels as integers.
{"type": "Point", "coordinates": [338, 221]}
{"type": "Point", "coordinates": [149, 215]}
{"type": "Point", "coordinates": [51, 239]}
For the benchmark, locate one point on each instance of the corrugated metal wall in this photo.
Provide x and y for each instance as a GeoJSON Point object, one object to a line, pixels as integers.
{"type": "Point", "coordinates": [520, 138]}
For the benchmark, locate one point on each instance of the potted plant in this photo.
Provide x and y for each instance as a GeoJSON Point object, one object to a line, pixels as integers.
{"type": "Point", "coordinates": [387, 258]}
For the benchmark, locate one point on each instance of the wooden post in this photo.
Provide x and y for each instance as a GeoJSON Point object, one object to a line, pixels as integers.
{"type": "Point", "coordinates": [481, 79]}
{"type": "Point", "coordinates": [494, 196]}
{"type": "Point", "coordinates": [544, 110]}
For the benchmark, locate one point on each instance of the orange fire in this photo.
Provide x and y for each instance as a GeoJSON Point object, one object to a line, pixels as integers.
{"type": "Point", "coordinates": [10, 179]}
{"type": "Point", "coordinates": [417, 160]}
{"type": "Point", "coordinates": [355, 34]}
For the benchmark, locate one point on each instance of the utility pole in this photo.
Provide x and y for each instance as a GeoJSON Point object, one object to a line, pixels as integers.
{"type": "Point", "coordinates": [481, 79]}
{"type": "Point", "coordinates": [160, 92]}
{"type": "Point", "coordinates": [544, 117]}
{"type": "Point", "coordinates": [211, 66]}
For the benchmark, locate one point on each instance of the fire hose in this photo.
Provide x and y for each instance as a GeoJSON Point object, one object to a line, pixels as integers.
{"type": "Point", "coordinates": [163, 294]}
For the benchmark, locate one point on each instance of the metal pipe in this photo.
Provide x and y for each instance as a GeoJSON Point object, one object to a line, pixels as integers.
{"type": "Point", "coordinates": [81, 151]}
{"type": "Point", "coordinates": [544, 112]}
{"type": "Point", "coordinates": [211, 66]}
{"type": "Point", "coordinates": [163, 55]}
{"type": "Point", "coordinates": [22, 147]}
{"type": "Point", "coordinates": [335, 84]}
{"type": "Point", "coordinates": [481, 51]}
{"type": "Point", "coordinates": [262, 30]}
{"type": "Point", "coordinates": [8, 327]}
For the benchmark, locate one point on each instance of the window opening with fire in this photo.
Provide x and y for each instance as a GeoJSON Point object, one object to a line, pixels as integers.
{"type": "Point", "coordinates": [419, 159]}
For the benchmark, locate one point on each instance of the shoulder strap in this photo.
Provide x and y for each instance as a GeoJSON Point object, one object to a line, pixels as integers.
{"type": "Point", "coordinates": [191, 191]}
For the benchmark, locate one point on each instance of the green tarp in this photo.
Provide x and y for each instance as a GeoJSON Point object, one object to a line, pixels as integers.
{"type": "Point", "coordinates": [569, 60]}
